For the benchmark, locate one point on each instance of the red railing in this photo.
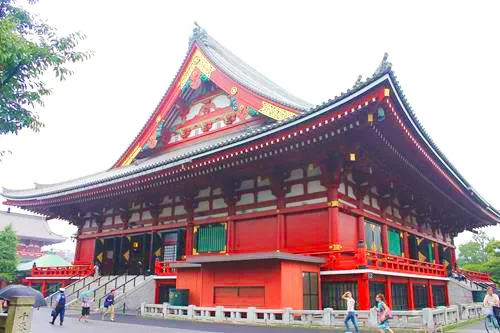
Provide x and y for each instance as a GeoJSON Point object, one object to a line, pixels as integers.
{"type": "Point", "coordinates": [63, 271]}
{"type": "Point", "coordinates": [362, 258]}
{"type": "Point", "coordinates": [162, 268]}
{"type": "Point", "coordinates": [472, 275]}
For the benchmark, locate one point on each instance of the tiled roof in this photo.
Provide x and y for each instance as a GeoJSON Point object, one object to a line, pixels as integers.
{"type": "Point", "coordinates": [383, 73]}
{"type": "Point", "coordinates": [242, 73]}
{"type": "Point", "coordinates": [30, 227]}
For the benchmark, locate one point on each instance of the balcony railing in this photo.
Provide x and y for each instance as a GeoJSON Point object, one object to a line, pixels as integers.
{"type": "Point", "coordinates": [472, 275]}
{"type": "Point", "coordinates": [63, 271]}
{"type": "Point", "coordinates": [363, 258]}
{"type": "Point", "coordinates": [162, 268]}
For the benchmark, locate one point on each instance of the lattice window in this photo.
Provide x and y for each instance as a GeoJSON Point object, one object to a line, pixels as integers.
{"type": "Point", "coordinates": [332, 294]}
{"type": "Point", "coordinates": [399, 296]}
{"type": "Point", "coordinates": [210, 238]}
{"type": "Point", "coordinates": [395, 242]}
{"type": "Point", "coordinates": [373, 236]}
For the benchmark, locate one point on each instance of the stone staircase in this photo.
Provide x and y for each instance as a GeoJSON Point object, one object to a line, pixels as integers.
{"type": "Point", "coordinates": [123, 285]}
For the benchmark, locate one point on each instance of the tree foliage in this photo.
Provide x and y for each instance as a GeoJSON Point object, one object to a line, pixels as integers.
{"type": "Point", "coordinates": [474, 252]}
{"type": "Point", "coordinates": [29, 47]}
{"type": "Point", "coordinates": [8, 254]}
{"type": "Point", "coordinates": [481, 254]}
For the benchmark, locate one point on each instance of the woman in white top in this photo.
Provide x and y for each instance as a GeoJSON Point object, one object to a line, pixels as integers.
{"type": "Point", "coordinates": [490, 301]}
{"type": "Point", "coordinates": [351, 313]}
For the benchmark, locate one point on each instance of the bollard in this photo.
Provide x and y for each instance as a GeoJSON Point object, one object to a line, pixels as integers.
{"type": "Point", "coordinates": [219, 313]}
{"type": "Point", "coordinates": [20, 315]}
{"type": "Point", "coordinates": [287, 315]}
{"type": "Point", "coordinates": [190, 311]}
{"type": "Point", "coordinates": [373, 318]}
{"type": "Point", "coordinates": [252, 315]}
{"type": "Point", "coordinates": [428, 318]}
{"type": "Point", "coordinates": [327, 317]}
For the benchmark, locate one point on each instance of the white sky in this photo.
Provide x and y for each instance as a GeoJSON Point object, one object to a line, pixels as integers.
{"type": "Point", "coordinates": [446, 55]}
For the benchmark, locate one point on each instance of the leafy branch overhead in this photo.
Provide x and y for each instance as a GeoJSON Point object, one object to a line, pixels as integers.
{"type": "Point", "coordinates": [29, 48]}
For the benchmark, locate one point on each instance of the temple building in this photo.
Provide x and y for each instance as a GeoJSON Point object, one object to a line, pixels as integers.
{"type": "Point", "coordinates": [33, 233]}
{"type": "Point", "coordinates": [245, 195]}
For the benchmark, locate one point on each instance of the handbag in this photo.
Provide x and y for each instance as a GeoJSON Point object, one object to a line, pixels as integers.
{"type": "Point", "coordinates": [53, 313]}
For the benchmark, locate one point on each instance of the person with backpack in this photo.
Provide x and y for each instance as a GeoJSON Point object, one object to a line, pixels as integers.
{"type": "Point", "coordinates": [384, 314]}
{"type": "Point", "coordinates": [59, 308]}
{"type": "Point", "coordinates": [109, 306]}
{"type": "Point", "coordinates": [351, 313]}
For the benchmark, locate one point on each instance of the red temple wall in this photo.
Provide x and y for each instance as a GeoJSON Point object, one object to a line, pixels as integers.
{"type": "Point", "coordinates": [347, 229]}
{"type": "Point", "coordinates": [291, 283]}
{"type": "Point", "coordinates": [85, 251]}
{"type": "Point", "coordinates": [263, 283]}
{"type": "Point", "coordinates": [259, 234]}
{"type": "Point", "coordinates": [306, 229]}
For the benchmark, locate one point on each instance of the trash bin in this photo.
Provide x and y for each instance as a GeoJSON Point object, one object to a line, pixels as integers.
{"type": "Point", "coordinates": [178, 297]}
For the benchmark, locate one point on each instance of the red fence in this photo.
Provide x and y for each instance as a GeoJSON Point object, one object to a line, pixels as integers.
{"type": "Point", "coordinates": [472, 275]}
{"type": "Point", "coordinates": [362, 258]}
{"type": "Point", "coordinates": [62, 271]}
{"type": "Point", "coordinates": [162, 268]}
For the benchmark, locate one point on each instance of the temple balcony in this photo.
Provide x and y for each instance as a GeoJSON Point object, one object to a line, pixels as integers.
{"type": "Point", "coordinates": [62, 271]}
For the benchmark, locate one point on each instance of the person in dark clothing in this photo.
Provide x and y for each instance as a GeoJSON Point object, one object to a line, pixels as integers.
{"type": "Point", "coordinates": [60, 307]}
{"type": "Point", "coordinates": [109, 306]}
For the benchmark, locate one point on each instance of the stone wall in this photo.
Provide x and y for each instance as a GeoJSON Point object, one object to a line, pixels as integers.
{"type": "Point", "coordinates": [458, 293]}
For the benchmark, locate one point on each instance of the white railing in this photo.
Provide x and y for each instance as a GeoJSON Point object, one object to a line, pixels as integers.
{"type": "Point", "coordinates": [426, 318]}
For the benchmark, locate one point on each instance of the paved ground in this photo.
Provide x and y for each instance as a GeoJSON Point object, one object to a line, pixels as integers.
{"type": "Point", "coordinates": [475, 328]}
{"type": "Point", "coordinates": [133, 324]}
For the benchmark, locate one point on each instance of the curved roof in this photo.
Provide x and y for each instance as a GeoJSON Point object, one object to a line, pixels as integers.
{"type": "Point", "coordinates": [383, 75]}
{"type": "Point", "coordinates": [30, 227]}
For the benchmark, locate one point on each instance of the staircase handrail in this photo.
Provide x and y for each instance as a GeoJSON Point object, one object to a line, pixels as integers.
{"type": "Point", "coordinates": [51, 296]}
{"type": "Point", "coordinates": [123, 285]}
{"type": "Point", "coordinates": [115, 279]}
{"type": "Point", "coordinates": [77, 292]}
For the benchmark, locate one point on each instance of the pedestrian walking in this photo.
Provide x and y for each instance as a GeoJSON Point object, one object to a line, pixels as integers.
{"type": "Point", "coordinates": [96, 271]}
{"type": "Point", "coordinates": [86, 304]}
{"type": "Point", "coordinates": [351, 313]}
{"type": "Point", "coordinates": [60, 307]}
{"type": "Point", "coordinates": [490, 302]}
{"type": "Point", "coordinates": [384, 314]}
{"type": "Point", "coordinates": [109, 306]}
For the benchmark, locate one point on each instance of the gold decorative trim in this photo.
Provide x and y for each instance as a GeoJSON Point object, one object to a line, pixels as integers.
{"type": "Point", "coordinates": [334, 203]}
{"type": "Point", "coordinates": [132, 155]}
{"type": "Point", "coordinates": [274, 112]}
{"type": "Point", "coordinates": [199, 61]}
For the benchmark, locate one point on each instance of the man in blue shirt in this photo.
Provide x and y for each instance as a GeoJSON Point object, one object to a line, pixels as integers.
{"type": "Point", "coordinates": [60, 307]}
{"type": "Point", "coordinates": [109, 306]}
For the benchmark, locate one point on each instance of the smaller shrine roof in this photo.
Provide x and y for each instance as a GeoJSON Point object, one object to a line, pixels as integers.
{"type": "Point", "coordinates": [48, 260]}
{"type": "Point", "coordinates": [256, 256]}
{"type": "Point", "coordinates": [30, 227]}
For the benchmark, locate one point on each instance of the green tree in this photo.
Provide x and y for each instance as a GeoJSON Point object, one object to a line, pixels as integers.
{"type": "Point", "coordinates": [29, 48]}
{"type": "Point", "coordinates": [8, 254]}
{"type": "Point", "coordinates": [474, 252]}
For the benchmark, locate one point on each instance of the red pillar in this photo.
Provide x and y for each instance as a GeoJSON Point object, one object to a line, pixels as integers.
{"type": "Point", "coordinates": [453, 259]}
{"type": "Point", "coordinates": [189, 238]}
{"type": "Point", "coordinates": [446, 296]}
{"type": "Point", "coordinates": [280, 236]}
{"type": "Point", "coordinates": [411, 298]}
{"type": "Point", "coordinates": [388, 292]}
{"type": "Point", "coordinates": [231, 210]}
{"type": "Point", "coordinates": [43, 288]}
{"type": "Point", "coordinates": [430, 296]}
{"type": "Point", "coordinates": [406, 244]}
{"type": "Point", "coordinates": [333, 215]}
{"type": "Point", "coordinates": [364, 292]}
{"type": "Point", "coordinates": [436, 253]}
{"type": "Point", "coordinates": [385, 238]}
{"type": "Point", "coordinates": [361, 229]}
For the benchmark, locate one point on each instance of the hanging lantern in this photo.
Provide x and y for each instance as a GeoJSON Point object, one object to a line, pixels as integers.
{"type": "Point", "coordinates": [352, 157]}
{"type": "Point", "coordinates": [380, 114]}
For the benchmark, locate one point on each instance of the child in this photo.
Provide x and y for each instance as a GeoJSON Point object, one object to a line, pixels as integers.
{"type": "Point", "coordinates": [109, 306]}
{"type": "Point", "coordinates": [383, 314]}
{"type": "Point", "coordinates": [351, 313]}
{"type": "Point", "coordinates": [86, 304]}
